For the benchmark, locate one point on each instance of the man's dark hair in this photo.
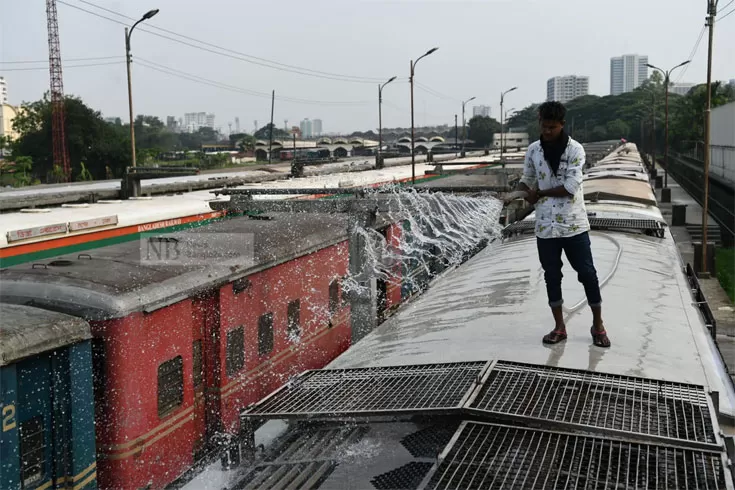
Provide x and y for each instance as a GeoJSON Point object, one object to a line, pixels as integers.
{"type": "Point", "coordinates": [552, 111]}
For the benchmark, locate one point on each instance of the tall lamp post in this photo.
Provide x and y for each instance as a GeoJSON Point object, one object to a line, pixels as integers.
{"type": "Point", "coordinates": [146, 16]}
{"type": "Point", "coordinates": [379, 163]}
{"type": "Point", "coordinates": [711, 12]}
{"type": "Point", "coordinates": [464, 126]}
{"type": "Point", "coordinates": [413, 138]}
{"type": "Point", "coordinates": [502, 97]}
{"type": "Point", "coordinates": [666, 118]}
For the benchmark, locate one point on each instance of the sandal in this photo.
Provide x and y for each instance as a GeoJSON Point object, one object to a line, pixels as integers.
{"type": "Point", "coordinates": [599, 338]}
{"type": "Point", "coordinates": [555, 336]}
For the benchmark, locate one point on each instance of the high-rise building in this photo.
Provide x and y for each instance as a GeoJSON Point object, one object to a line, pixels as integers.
{"type": "Point", "coordinates": [680, 88]}
{"type": "Point", "coordinates": [306, 128]}
{"type": "Point", "coordinates": [3, 91]}
{"type": "Point", "coordinates": [565, 88]}
{"type": "Point", "coordinates": [627, 72]}
{"type": "Point", "coordinates": [481, 110]}
{"type": "Point", "coordinates": [316, 126]}
{"type": "Point", "coordinates": [171, 124]}
{"type": "Point", "coordinates": [209, 121]}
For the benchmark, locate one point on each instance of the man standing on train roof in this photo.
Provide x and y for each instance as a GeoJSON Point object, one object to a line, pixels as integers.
{"type": "Point", "coordinates": [552, 179]}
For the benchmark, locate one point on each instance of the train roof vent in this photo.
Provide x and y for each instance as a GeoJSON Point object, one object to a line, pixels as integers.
{"type": "Point", "coordinates": [393, 390]}
{"type": "Point", "coordinates": [483, 455]}
{"type": "Point", "coordinates": [407, 476]}
{"type": "Point", "coordinates": [649, 225]}
{"type": "Point", "coordinates": [673, 412]}
{"type": "Point", "coordinates": [645, 225]}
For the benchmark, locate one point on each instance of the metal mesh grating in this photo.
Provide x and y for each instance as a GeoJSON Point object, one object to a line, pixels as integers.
{"type": "Point", "coordinates": [302, 475]}
{"type": "Point", "coordinates": [643, 406]}
{"type": "Point", "coordinates": [519, 227]}
{"type": "Point", "coordinates": [429, 441]}
{"type": "Point", "coordinates": [492, 456]}
{"type": "Point", "coordinates": [604, 223]}
{"type": "Point", "coordinates": [407, 477]}
{"type": "Point", "coordinates": [635, 224]}
{"type": "Point", "coordinates": [334, 392]}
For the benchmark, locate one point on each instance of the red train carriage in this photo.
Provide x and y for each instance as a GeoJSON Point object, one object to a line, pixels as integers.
{"type": "Point", "coordinates": [189, 328]}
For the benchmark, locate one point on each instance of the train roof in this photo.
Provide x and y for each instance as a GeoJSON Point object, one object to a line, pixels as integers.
{"type": "Point", "coordinates": [113, 281]}
{"type": "Point", "coordinates": [27, 331]}
{"type": "Point", "coordinates": [495, 306]}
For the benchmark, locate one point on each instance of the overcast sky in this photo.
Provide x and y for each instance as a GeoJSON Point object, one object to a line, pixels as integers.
{"type": "Point", "coordinates": [485, 47]}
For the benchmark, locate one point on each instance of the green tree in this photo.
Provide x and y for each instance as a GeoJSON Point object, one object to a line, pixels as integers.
{"type": "Point", "coordinates": [264, 132]}
{"type": "Point", "coordinates": [480, 129]}
{"type": "Point", "coordinates": [88, 138]}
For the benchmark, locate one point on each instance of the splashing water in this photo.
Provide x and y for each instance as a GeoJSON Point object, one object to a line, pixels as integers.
{"type": "Point", "coordinates": [439, 231]}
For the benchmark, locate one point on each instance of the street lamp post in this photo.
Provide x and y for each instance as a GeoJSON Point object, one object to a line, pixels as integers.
{"type": "Point", "coordinates": [413, 138]}
{"type": "Point", "coordinates": [666, 117]}
{"type": "Point", "coordinates": [146, 16]}
{"type": "Point", "coordinates": [502, 121]}
{"type": "Point", "coordinates": [379, 163]}
{"type": "Point", "coordinates": [464, 126]}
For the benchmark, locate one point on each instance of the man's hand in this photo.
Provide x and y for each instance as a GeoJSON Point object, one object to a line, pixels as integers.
{"type": "Point", "coordinates": [532, 196]}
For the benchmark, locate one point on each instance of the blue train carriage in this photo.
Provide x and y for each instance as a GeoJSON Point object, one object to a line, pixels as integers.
{"type": "Point", "coordinates": [46, 401]}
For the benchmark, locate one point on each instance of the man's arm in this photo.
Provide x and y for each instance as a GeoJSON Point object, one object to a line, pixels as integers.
{"type": "Point", "coordinates": [528, 181]}
{"type": "Point", "coordinates": [572, 177]}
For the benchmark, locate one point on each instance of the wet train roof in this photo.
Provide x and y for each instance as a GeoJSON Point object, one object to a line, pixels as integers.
{"type": "Point", "coordinates": [113, 281]}
{"type": "Point", "coordinates": [26, 331]}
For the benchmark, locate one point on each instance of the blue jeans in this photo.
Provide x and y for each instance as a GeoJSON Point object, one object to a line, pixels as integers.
{"type": "Point", "coordinates": [579, 253]}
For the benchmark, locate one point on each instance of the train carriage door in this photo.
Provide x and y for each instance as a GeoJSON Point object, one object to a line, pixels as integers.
{"type": "Point", "coordinates": [34, 412]}
{"type": "Point", "coordinates": [205, 367]}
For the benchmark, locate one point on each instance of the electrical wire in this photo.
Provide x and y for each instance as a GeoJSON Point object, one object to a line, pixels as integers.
{"type": "Point", "coordinates": [433, 92]}
{"type": "Point", "coordinates": [224, 51]}
{"type": "Point", "coordinates": [730, 12]}
{"type": "Point", "coordinates": [45, 68]}
{"type": "Point", "coordinates": [213, 83]}
{"type": "Point", "coordinates": [692, 54]}
{"type": "Point", "coordinates": [66, 60]}
{"type": "Point", "coordinates": [728, 4]}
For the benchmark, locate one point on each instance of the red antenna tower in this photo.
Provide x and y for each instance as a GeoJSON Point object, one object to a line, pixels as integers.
{"type": "Point", "coordinates": [61, 153]}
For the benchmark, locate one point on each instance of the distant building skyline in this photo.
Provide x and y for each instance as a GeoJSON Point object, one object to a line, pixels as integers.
{"type": "Point", "coordinates": [316, 126]}
{"type": "Point", "coordinates": [193, 121]}
{"type": "Point", "coordinates": [627, 72]}
{"type": "Point", "coordinates": [3, 91]}
{"type": "Point", "coordinates": [681, 88]}
{"type": "Point", "coordinates": [567, 87]}
{"type": "Point", "coordinates": [306, 128]}
{"type": "Point", "coordinates": [481, 111]}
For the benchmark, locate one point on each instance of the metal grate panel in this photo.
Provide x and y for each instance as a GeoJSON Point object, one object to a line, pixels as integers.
{"type": "Point", "coordinates": [492, 456]}
{"type": "Point", "coordinates": [364, 391]}
{"type": "Point", "coordinates": [643, 406]}
{"type": "Point", "coordinates": [407, 477]}
{"type": "Point", "coordinates": [649, 225]}
{"type": "Point", "coordinates": [302, 475]}
{"type": "Point", "coordinates": [519, 227]}
{"type": "Point", "coordinates": [429, 441]}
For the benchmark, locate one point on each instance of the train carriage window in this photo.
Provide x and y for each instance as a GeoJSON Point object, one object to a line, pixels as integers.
{"type": "Point", "coordinates": [32, 449]}
{"type": "Point", "coordinates": [265, 334]}
{"type": "Point", "coordinates": [170, 385]}
{"type": "Point", "coordinates": [197, 364]}
{"type": "Point", "coordinates": [294, 319]}
{"type": "Point", "coordinates": [235, 350]}
{"type": "Point", "coordinates": [333, 296]}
